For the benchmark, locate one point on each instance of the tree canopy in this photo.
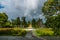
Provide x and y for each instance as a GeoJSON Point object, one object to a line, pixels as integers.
{"type": "Point", "coordinates": [51, 10]}
{"type": "Point", "coordinates": [51, 7]}
{"type": "Point", "coordinates": [3, 18]}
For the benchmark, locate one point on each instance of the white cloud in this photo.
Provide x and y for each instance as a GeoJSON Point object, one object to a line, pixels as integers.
{"type": "Point", "coordinates": [21, 8]}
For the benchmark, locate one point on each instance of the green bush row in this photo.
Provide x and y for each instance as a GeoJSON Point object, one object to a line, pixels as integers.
{"type": "Point", "coordinates": [44, 32]}
{"type": "Point", "coordinates": [12, 32]}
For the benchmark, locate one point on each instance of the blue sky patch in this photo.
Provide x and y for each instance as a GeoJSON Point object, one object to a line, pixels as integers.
{"type": "Point", "coordinates": [1, 6]}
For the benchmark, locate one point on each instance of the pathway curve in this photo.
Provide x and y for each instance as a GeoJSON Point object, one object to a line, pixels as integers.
{"type": "Point", "coordinates": [31, 36]}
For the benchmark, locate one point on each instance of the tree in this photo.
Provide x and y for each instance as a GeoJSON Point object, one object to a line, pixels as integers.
{"type": "Point", "coordinates": [3, 19]}
{"type": "Point", "coordinates": [13, 22]}
{"type": "Point", "coordinates": [54, 22]}
{"type": "Point", "coordinates": [24, 23]}
{"type": "Point", "coordinates": [28, 23]}
{"type": "Point", "coordinates": [8, 24]}
{"type": "Point", "coordinates": [33, 23]}
{"type": "Point", "coordinates": [16, 22]}
{"type": "Point", "coordinates": [50, 10]}
{"type": "Point", "coordinates": [51, 7]}
{"type": "Point", "coordinates": [39, 23]}
{"type": "Point", "coordinates": [51, 22]}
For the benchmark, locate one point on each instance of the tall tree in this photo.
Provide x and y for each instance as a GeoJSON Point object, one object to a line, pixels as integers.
{"type": "Point", "coordinates": [54, 22]}
{"type": "Point", "coordinates": [16, 22]}
{"type": "Point", "coordinates": [3, 19]}
{"type": "Point", "coordinates": [24, 23]}
{"type": "Point", "coordinates": [39, 23]}
{"type": "Point", "coordinates": [51, 7]}
{"type": "Point", "coordinates": [8, 24]}
{"type": "Point", "coordinates": [33, 22]}
{"type": "Point", "coordinates": [51, 10]}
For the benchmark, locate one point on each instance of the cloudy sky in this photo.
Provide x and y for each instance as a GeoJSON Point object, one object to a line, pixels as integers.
{"type": "Point", "coordinates": [28, 8]}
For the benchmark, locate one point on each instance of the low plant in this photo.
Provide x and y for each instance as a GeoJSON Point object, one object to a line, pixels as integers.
{"type": "Point", "coordinates": [44, 32]}
{"type": "Point", "coordinates": [12, 32]}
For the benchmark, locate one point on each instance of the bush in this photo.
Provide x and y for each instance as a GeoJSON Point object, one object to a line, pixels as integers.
{"type": "Point", "coordinates": [12, 32]}
{"type": "Point", "coordinates": [44, 32]}
{"type": "Point", "coordinates": [57, 32]}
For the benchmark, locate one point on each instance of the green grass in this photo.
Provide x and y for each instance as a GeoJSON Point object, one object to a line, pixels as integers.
{"type": "Point", "coordinates": [20, 32]}
{"type": "Point", "coordinates": [44, 32]}
{"type": "Point", "coordinates": [12, 32]}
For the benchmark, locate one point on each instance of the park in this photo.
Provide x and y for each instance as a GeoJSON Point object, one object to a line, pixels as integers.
{"type": "Point", "coordinates": [30, 20]}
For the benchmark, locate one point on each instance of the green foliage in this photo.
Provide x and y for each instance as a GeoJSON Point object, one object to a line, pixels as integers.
{"type": "Point", "coordinates": [28, 23]}
{"type": "Point", "coordinates": [3, 19]}
{"type": "Point", "coordinates": [16, 22]}
{"type": "Point", "coordinates": [39, 23]}
{"type": "Point", "coordinates": [54, 22]}
{"type": "Point", "coordinates": [5, 23]}
{"type": "Point", "coordinates": [33, 23]}
{"type": "Point", "coordinates": [24, 23]}
{"type": "Point", "coordinates": [12, 32]}
{"type": "Point", "coordinates": [8, 24]}
{"type": "Point", "coordinates": [36, 23]}
{"type": "Point", "coordinates": [51, 7]}
{"type": "Point", "coordinates": [44, 32]}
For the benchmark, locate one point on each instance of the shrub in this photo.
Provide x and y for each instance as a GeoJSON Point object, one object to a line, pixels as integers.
{"type": "Point", "coordinates": [12, 32]}
{"type": "Point", "coordinates": [44, 32]}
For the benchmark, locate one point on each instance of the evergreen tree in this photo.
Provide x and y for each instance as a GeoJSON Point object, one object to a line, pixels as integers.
{"type": "Point", "coordinates": [39, 23]}
{"type": "Point", "coordinates": [24, 23]}
{"type": "Point", "coordinates": [29, 23]}
{"type": "Point", "coordinates": [16, 22]}
{"type": "Point", "coordinates": [33, 23]}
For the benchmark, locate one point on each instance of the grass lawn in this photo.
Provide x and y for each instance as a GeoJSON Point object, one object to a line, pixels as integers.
{"type": "Point", "coordinates": [22, 32]}
{"type": "Point", "coordinates": [12, 32]}
{"type": "Point", "coordinates": [44, 32]}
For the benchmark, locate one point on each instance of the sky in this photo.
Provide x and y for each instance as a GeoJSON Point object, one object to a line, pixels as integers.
{"type": "Point", "coordinates": [18, 8]}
